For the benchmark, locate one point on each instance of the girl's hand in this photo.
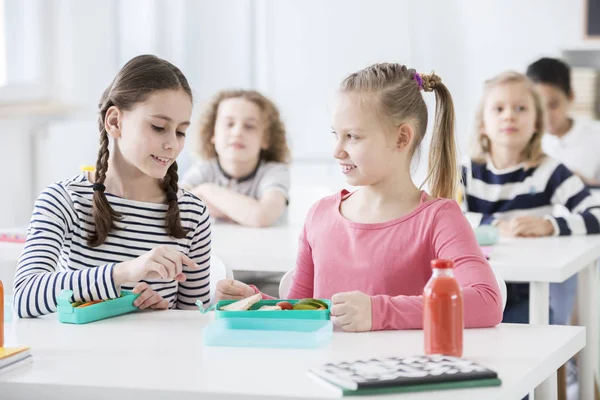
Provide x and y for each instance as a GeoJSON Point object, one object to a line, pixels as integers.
{"type": "Point", "coordinates": [352, 311]}
{"type": "Point", "coordinates": [160, 263]}
{"type": "Point", "coordinates": [230, 289]}
{"type": "Point", "coordinates": [531, 227]}
{"type": "Point", "coordinates": [149, 298]}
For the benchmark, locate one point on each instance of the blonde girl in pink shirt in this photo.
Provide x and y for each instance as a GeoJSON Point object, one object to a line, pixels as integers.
{"type": "Point", "coordinates": [369, 251]}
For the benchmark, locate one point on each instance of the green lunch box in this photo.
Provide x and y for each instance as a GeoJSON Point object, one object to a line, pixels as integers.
{"type": "Point", "coordinates": [299, 329]}
{"type": "Point", "coordinates": [96, 312]}
{"type": "Point", "coordinates": [254, 311]}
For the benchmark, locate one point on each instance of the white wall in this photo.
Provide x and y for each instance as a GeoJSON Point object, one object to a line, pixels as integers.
{"type": "Point", "coordinates": [311, 46]}
{"type": "Point", "coordinates": [110, 33]}
{"type": "Point", "coordinates": [296, 51]}
{"type": "Point", "coordinates": [466, 42]}
{"type": "Point", "coordinates": [509, 35]}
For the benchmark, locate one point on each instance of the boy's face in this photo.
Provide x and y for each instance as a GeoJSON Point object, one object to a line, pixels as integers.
{"type": "Point", "coordinates": [240, 130]}
{"type": "Point", "coordinates": [557, 106]}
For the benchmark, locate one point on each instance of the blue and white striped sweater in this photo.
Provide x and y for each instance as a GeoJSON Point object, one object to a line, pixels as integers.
{"type": "Point", "coordinates": [56, 254]}
{"type": "Point", "coordinates": [520, 191]}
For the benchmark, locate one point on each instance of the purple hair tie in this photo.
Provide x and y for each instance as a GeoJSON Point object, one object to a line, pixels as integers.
{"type": "Point", "coordinates": [417, 77]}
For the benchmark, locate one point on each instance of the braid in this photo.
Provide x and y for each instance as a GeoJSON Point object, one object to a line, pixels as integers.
{"type": "Point", "coordinates": [138, 79]}
{"type": "Point", "coordinates": [103, 213]}
{"type": "Point", "coordinates": [170, 186]}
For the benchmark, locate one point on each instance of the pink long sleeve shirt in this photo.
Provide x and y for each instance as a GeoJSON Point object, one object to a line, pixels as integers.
{"type": "Point", "coordinates": [390, 262]}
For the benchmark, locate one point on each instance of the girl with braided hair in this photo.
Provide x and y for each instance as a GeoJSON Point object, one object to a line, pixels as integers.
{"type": "Point", "coordinates": [127, 226]}
{"type": "Point", "coordinates": [369, 251]}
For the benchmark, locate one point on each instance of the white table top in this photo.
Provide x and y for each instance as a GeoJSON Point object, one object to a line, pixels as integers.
{"type": "Point", "coordinates": [550, 259]}
{"type": "Point", "coordinates": [159, 354]}
{"type": "Point", "coordinates": [272, 249]}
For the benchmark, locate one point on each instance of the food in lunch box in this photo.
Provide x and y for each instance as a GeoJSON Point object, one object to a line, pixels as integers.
{"type": "Point", "coordinates": [244, 304]}
{"type": "Point", "coordinates": [310, 304]}
{"type": "Point", "coordinates": [285, 305]}
{"type": "Point", "coordinates": [270, 308]}
{"type": "Point", "coordinates": [89, 303]}
{"type": "Point", "coordinates": [82, 304]}
{"type": "Point", "coordinates": [247, 303]}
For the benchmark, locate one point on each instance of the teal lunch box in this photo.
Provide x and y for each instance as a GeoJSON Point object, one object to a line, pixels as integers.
{"type": "Point", "coordinates": [299, 329]}
{"type": "Point", "coordinates": [95, 312]}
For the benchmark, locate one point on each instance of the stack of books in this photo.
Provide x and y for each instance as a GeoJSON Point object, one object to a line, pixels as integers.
{"type": "Point", "coordinates": [13, 357]}
{"type": "Point", "coordinates": [584, 82]}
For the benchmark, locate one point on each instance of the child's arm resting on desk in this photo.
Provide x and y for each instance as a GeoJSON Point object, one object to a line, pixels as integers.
{"type": "Point", "coordinates": [568, 190]}
{"type": "Point", "coordinates": [452, 239]}
{"type": "Point", "coordinates": [272, 197]}
{"type": "Point", "coordinates": [243, 209]}
{"type": "Point", "coordinates": [192, 180]}
{"type": "Point", "coordinates": [197, 283]}
{"type": "Point", "coordinates": [37, 282]}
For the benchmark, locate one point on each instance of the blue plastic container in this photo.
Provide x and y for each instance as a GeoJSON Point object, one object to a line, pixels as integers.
{"type": "Point", "coordinates": [487, 235]}
{"type": "Point", "coordinates": [8, 311]}
{"type": "Point", "coordinates": [269, 332]}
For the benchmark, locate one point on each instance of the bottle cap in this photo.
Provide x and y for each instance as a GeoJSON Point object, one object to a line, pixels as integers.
{"type": "Point", "coordinates": [442, 264]}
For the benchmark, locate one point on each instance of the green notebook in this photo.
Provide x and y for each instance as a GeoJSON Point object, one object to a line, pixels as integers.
{"type": "Point", "coordinates": [408, 374]}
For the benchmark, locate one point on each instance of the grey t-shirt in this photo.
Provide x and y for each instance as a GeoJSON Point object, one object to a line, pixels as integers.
{"type": "Point", "coordinates": [267, 176]}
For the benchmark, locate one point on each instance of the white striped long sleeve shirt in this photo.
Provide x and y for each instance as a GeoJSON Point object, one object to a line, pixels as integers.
{"type": "Point", "coordinates": [520, 191]}
{"type": "Point", "coordinates": [56, 254]}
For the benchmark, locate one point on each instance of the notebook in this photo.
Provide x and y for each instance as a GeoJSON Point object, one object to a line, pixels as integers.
{"type": "Point", "coordinates": [408, 374]}
{"type": "Point", "coordinates": [10, 356]}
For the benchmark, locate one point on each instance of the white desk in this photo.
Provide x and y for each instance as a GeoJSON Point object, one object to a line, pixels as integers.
{"type": "Point", "coordinates": [271, 249]}
{"type": "Point", "coordinates": [544, 260]}
{"type": "Point", "coordinates": [161, 355]}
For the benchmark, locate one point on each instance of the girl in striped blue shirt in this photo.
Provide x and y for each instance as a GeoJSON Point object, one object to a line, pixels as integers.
{"type": "Point", "coordinates": [128, 226]}
{"type": "Point", "coordinates": [510, 183]}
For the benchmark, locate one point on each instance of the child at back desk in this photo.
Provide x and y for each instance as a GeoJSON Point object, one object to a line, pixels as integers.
{"type": "Point", "coordinates": [513, 185]}
{"type": "Point", "coordinates": [572, 141]}
{"type": "Point", "coordinates": [244, 174]}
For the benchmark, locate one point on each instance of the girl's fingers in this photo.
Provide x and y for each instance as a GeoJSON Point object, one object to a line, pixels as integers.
{"type": "Point", "coordinates": [162, 305]}
{"type": "Point", "coordinates": [168, 264]}
{"type": "Point", "coordinates": [140, 287]}
{"type": "Point", "coordinates": [146, 294]}
{"type": "Point", "coordinates": [155, 298]}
